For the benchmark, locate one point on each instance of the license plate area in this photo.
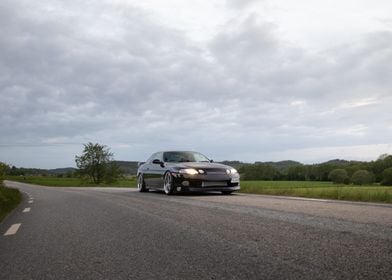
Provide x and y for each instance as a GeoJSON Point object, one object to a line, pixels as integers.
{"type": "Point", "coordinates": [214, 184]}
{"type": "Point", "coordinates": [235, 180]}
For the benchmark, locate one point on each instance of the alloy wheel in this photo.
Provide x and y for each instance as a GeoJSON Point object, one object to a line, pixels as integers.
{"type": "Point", "coordinates": [168, 183]}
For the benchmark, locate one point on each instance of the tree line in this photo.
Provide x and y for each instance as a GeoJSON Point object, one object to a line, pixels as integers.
{"type": "Point", "coordinates": [337, 171]}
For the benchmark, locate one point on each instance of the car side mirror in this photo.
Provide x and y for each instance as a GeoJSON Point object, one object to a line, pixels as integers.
{"type": "Point", "coordinates": [140, 163]}
{"type": "Point", "coordinates": [157, 161]}
{"type": "Point", "coordinates": [211, 160]}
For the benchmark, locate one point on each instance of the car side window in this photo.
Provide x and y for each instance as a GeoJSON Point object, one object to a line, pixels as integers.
{"type": "Point", "coordinates": [151, 158]}
{"type": "Point", "coordinates": [158, 156]}
{"type": "Point", "coordinates": [169, 157]}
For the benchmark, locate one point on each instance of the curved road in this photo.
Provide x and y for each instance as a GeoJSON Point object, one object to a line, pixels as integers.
{"type": "Point", "coordinates": [115, 233]}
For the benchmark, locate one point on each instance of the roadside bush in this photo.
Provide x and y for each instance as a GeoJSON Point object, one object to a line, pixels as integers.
{"type": "Point", "coordinates": [362, 177]}
{"type": "Point", "coordinates": [338, 176]}
{"type": "Point", "coordinates": [387, 177]}
{"type": "Point", "coordinates": [3, 169]}
{"type": "Point", "coordinates": [9, 199]}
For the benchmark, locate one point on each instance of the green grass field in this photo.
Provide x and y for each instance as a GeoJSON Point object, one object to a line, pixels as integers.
{"type": "Point", "coordinates": [9, 199]}
{"type": "Point", "coordinates": [326, 190]}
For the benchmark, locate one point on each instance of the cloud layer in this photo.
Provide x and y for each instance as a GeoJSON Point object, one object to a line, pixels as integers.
{"type": "Point", "coordinates": [114, 74]}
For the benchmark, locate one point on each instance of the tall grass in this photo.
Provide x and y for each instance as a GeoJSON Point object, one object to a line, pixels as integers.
{"type": "Point", "coordinates": [326, 190]}
{"type": "Point", "coordinates": [9, 199]}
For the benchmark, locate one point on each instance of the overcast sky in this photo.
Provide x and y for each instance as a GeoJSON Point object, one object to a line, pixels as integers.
{"type": "Point", "coordinates": [249, 80]}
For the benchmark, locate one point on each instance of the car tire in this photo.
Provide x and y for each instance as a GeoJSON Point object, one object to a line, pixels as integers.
{"type": "Point", "coordinates": [141, 185]}
{"type": "Point", "coordinates": [227, 192]}
{"type": "Point", "coordinates": [168, 185]}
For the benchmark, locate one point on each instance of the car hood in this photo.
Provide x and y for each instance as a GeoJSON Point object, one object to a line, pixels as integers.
{"type": "Point", "coordinates": [199, 165]}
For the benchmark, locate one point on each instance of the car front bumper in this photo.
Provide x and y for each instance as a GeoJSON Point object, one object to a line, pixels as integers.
{"type": "Point", "coordinates": [206, 182]}
{"type": "Point", "coordinates": [212, 189]}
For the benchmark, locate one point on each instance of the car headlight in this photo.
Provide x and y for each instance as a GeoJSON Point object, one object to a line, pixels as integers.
{"type": "Point", "coordinates": [231, 171]}
{"type": "Point", "coordinates": [189, 171]}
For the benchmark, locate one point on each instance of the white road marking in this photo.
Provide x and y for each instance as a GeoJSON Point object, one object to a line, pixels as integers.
{"type": "Point", "coordinates": [31, 201]}
{"type": "Point", "coordinates": [12, 230]}
{"type": "Point", "coordinates": [29, 195]}
{"type": "Point", "coordinates": [26, 210]}
{"type": "Point", "coordinates": [308, 199]}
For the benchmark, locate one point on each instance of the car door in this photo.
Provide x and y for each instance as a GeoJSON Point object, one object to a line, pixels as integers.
{"type": "Point", "coordinates": [147, 171]}
{"type": "Point", "coordinates": [156, 171]}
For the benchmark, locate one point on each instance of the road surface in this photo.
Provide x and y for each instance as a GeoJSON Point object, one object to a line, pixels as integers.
{"type": "Point", "coordinates": [114, 233]}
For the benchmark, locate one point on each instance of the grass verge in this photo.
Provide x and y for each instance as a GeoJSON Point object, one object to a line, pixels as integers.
{"type": "Point", "coordinates": [325, 190]}
{"type": "Point", "coordinates": [69, 182]}
{"type": "Point", "coordinates": [9, 199]}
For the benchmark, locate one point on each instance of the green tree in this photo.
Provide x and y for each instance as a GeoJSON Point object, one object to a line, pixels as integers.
{"type": "Point", "coordinates": [378, 166]}
{"type": "Point", "coordinates": [297, 172]}
{"type": "Point", "coordinates": [387, 177]}
{"type": "Point", "coordinates": [338, 176]}
{"type": "Point", "coordinates": [382, 156]}
{"type": "Point", "coordinates": [259, 171]}
{"type": "Point", "coordinates": [3, 170]}
{"type": "Point", "coordinates": [112, 173]}
{"type": "Point", "coordinates": [96, 163]}
{"type": "Point", "coordinates": [320, 172]}
{"type": "Point", "coordinates": [362, 177]}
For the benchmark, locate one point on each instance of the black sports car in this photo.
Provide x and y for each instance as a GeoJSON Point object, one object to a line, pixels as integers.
{"type": "Point", "coordinates": [176, 171]}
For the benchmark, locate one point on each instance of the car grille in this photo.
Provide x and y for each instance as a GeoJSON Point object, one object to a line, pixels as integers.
{"type": "Point", "coordinates": [215, 171]}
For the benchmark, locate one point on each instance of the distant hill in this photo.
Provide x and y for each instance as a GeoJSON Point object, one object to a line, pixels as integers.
{"type": "Point", "coordinates": [282, 166]}
{"type": "Point", "coordinates": [127, 167]}
{"type": "Point", "coordinates": [342, 162]}
{"type": "Point", "coordinates": [233, 163]}
{"type": "Point", "coordinates": [37, 171]}
{"type": "Point", "coordinates": [57, 171]}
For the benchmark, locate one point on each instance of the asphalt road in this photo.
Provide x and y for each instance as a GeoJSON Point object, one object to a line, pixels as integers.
{"type": "Point", "coordinates": [112, 233]}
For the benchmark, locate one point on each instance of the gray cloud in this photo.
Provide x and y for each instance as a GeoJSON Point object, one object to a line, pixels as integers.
{"type": "Point", "coordinates": [239, 4]}
{"type": "Point", "coordinates": [115, 75]}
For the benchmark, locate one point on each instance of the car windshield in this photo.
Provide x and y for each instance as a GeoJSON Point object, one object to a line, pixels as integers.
{"type": "Point", "coordinates": [184, 157]}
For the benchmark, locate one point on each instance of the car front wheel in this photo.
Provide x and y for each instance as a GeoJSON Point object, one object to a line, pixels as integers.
{"type": "Point", "coordinates": [141, 185]}
{"type": "Point", "coordinates": [168, 183]}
